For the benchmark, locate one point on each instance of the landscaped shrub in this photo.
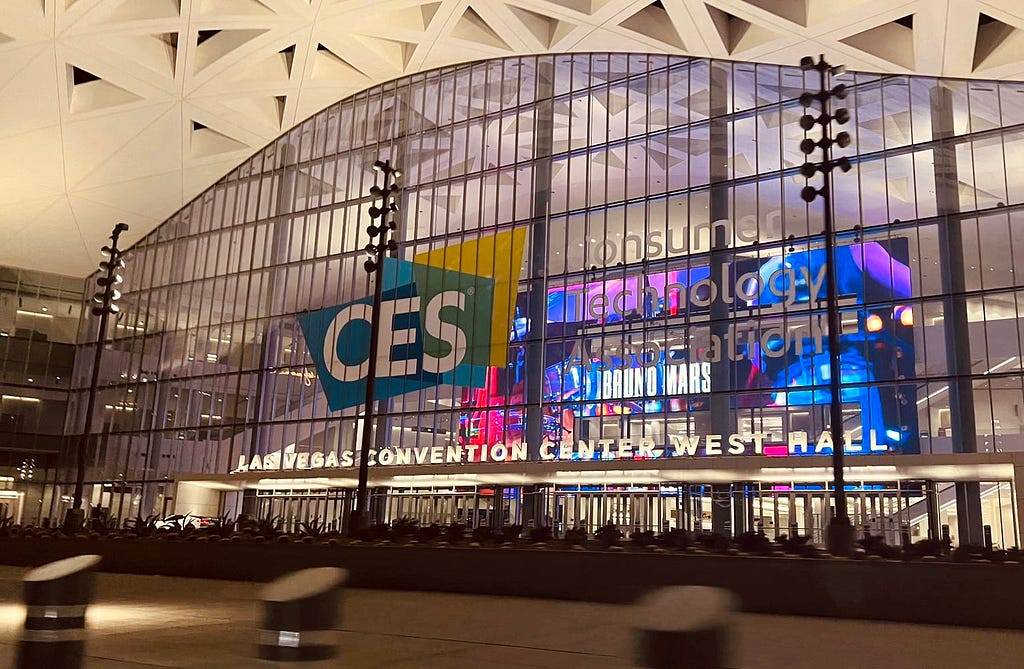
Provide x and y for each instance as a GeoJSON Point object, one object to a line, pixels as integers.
{"type": "Point", "coordinates": [755, 543]}
{"type": "Point", "coordinates": [314, 529]}
{"type": "Point", "coordinates": [430, 532]}
{"type": "Point", "coordinates": [221, 528]}
{"type": "Point", "coordinates": [405, 528]}
{"type": "Point", "coordinates": [541, 534]}
{"type": "Point", "coordinates": [643, 538]}
{"type": "Point", "coordinates": [376, 532]}
{"type": "Point", "coordinates": [926, 547]}
{"type": "Point", "coordinates": [973, 552]}
{"type": "Point", "coordinates": [509, 534]}
{"type": "Point", "coordinates": [104, 526]}
{"type": "Point", "coordinates": [143, 527]}
{"type": "Point", "coordinates": [875, 545]}
{"type": "Point", "coordinates": [713, 542]}
{"type": "Point", "coordinates": [675, 538]}
{"type": "Point", "coordinates": [455, 533]}
{"type": "Point", "coordinates": [268, 527]}
{"type": "Point", "coordinates": [608, 536]}
{"type": "Point", "coordinates": [577, 536]}
{"type": "Point", "coordinates": [798, 545]}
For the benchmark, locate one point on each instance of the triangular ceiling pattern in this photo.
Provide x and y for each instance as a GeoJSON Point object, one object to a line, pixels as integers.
{"type": "Point", "coordinates": [249, 69]}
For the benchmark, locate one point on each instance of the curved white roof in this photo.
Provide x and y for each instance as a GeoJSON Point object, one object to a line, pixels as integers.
{"type": "Point", "coordinates": [123, 110]}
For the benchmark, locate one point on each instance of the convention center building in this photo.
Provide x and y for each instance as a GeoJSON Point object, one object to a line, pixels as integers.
{"type": "Point", "coordinates": [606, 303]}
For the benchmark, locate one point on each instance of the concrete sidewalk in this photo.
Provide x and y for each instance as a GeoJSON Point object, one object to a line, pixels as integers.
{"type": "Point", "coordinates": [148, 621]}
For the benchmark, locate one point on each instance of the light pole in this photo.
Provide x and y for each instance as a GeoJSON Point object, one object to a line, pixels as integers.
{"type": "Point", "coordinates": [839, 537]}
{"type": "Point", "coordinates": [380, 244]}
{"type": "Point", "coordinates": [105, 305]}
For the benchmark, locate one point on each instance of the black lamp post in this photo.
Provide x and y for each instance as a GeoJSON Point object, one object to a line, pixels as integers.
{"type": "Point", "coordinates": [105, 304]}
{"type": "Point", "coordinates": [380, 244]}
{"type": "Point", "coordinates": [839, 537]}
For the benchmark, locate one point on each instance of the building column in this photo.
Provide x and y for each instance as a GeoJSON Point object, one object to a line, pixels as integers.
{"type": "Point", "coordinates": [1017, 484]}
{"type": "Point", "coordinates": [274, 296]}
{"type": "Point", "coordinates": [954, 323]}
{"type": "Point", "coordinates": [723, 419]}
{"type": "Point", "coordinates": [537, 296]}
{"type": "Point", "coordinates": [931, 500]}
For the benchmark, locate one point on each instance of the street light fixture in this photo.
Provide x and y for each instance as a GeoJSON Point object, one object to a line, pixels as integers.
{"type": "Point", "coordinates": [839, 537]}
{"type": "Point", "coordinates": [380, 244]}
{"type": "Point", "coordinates": [105, 304]}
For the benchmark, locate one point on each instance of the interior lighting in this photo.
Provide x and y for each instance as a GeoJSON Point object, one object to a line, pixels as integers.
{"type": "Point", "coordinates": [19, 398]}
{"type": "Point", "coordinates": [874, 323]}
{"type": "Point", "coordinates": [26, 312]}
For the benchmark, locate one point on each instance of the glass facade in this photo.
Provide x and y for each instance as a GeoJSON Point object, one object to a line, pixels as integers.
{"type": "Point", "coordinates": [39, 316]}
{"type": "Point", "coordinates": [602, 257]}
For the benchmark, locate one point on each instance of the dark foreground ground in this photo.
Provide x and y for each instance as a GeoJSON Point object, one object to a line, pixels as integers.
{"type": "Point", "coordinates": [152, 621]}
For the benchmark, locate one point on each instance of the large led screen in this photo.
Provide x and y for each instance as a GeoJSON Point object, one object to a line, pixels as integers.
{"type": "Point", "coordinates": [658, 342]}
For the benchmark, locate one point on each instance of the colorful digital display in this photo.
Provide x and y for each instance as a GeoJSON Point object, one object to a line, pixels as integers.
{"type": "Point", "coordinates": [753, 327]}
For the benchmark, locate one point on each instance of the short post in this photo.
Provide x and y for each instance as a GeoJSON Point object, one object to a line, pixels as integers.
{"type": "Point", "coordinates": [683, 627]}
{"type": "Point", "coordinates": [988, 537]}
{"type": "Point", "coordinates": [56, 596]}
{"type": "Point", "coordinates": [301, 613]}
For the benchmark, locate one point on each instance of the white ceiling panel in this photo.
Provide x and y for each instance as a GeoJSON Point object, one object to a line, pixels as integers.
{"type": "Point", "coordinates": [130, 108]}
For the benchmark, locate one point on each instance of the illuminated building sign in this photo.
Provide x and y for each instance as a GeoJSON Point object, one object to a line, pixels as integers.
{"type": "Point", "coordinates": [444, 319]}
{"type": "Point", "coordinates": [709, 445]}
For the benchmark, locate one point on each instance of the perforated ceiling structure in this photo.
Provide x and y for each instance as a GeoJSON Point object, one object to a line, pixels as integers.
{"type": "Point", "coordinates": [123, 110]}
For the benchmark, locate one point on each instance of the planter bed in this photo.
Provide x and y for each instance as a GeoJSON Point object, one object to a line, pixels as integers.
{"type": "Point", "coordinates": [981, 595]}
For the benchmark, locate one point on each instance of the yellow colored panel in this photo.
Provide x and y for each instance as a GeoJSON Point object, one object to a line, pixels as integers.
{"type": "Point", "coordinates": [499, 257]}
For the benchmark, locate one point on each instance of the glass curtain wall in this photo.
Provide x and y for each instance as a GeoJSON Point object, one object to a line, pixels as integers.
{"type": "Point", "coordinates": [663, 280]}
{"type": "Point", "coordinates": [39, 317]}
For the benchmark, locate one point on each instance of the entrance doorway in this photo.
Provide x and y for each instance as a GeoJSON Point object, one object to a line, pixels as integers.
{"type": "Point", "coordinates": [292, 508]}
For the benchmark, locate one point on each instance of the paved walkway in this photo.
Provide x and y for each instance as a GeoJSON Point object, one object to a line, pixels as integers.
{"type": "Point", "coordinates": [150, 621]}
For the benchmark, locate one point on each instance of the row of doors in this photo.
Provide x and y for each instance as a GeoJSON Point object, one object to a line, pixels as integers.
{"type": "Point", "coordinates": [695, 508]}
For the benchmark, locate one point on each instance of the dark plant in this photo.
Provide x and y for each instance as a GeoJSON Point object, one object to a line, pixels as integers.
{"type": "Point", "coordinates": [608, 535]}
{"type": "Point", "coordinates": [643, 538]}
{"type": "Point", "coordinates": [970, 552]}
{"type": "Point", "coordinates": [541, 534]}
{"type": "Point", "coordinates": [577, 536]}
{"type": "Point", "coordinates": [875, 545]}
{"type": "Point", "coordinates": [796, 544]}
{"type": "Point", "coordinates": [6, 526]}
{"type": "Point", "coordinates": [676, 538]}
{"type": "Point", "coordinates": [755, 543]}
{"type": "Point", "coordinates": [104, 525]}
{"type": "Point", "coordinates": [430, 532]}
{"type": "Point", "coordinates": [222, 527]}
{"type": "Point", "coordinates": [405, 528]}
{"type": "Point", "coordinates": [484, 534]}
{"type": "Point", "coordinates": [268, 527]}
{"type": "Point", "coordinates": [926, 547]}
{"type": "Point", "coordinates": [375, 532]}
{"type": "Point", "coordinates": [143, 527]}
{"type": "Point", "coordinates": [509, 534]}
{"type": "Point", "coordinates": [315, 529]}
{"type": "Point", "coordinates": [455, 533]}
{"type": "Point", "coordinates": [713, 542]}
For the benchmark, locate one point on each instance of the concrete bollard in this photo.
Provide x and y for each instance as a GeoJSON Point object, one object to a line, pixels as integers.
{"type": "Point", "coordinates": [683, 627]}
{"type": "Point", "coordinates": [56, 596]}
{"type": "Point", "coordinates": [301, 613]}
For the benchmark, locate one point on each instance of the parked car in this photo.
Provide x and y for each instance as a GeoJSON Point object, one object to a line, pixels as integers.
{"type": "Point", "coordinates": [179, 522]}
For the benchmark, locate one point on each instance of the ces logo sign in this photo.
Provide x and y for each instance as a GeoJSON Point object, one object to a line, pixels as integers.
{"type": "Point", "coordinates": [445, 318]}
